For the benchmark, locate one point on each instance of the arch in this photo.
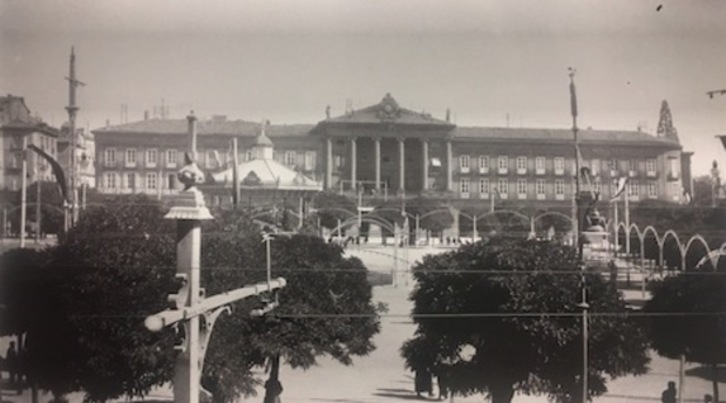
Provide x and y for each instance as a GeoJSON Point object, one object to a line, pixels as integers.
{"type": "Point", "coordinates": [512, 212]}
{"type": "Point", "coordinates": [437, 211]}
{"type": "Point", "coordinates": [637, 231]}
{"type": "Point", "coordinates": [692, 241]}
{"type": "Point", "coordinates": [667, 250]}
{"type": "Point", "coordinates": [672, 234]}
{"type": "Point", "coordinates": [644, 243]}
{"type": "Point", "coordinates": [372, 220]}
{"type": "Point", "coordinates": [554, 213]}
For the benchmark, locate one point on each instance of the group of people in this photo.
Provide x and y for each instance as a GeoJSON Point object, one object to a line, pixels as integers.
{"type": "Point", "coordinates": [423, 381]}
{"type": "Point", "coordinates": [670, 395]}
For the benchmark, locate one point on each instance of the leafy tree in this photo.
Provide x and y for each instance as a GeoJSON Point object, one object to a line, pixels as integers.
{"type": "Point", "coordinates": [51, 209]}
{"type": "Point", "coordinates": [696, 326]}
{"type": "Point", "coordinates": [436, 217]}
{"type": "Point", "coordinates": [499, 294]}
{"type": "Point", "coordinates": [320, 281]}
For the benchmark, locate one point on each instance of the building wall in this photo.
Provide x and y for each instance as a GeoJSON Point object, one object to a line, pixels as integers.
{"type": "Point", "coordinates": [654, 171]}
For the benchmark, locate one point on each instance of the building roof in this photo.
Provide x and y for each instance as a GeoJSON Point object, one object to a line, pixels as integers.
{"type": "Point", "coordinates": [266, 173]}
{"type": "Point", "coordinates": [388, 111]}
{"type": "Point", "coordinates": [562, 136]}
{"type": "Point", "coordinates": [206, 127]}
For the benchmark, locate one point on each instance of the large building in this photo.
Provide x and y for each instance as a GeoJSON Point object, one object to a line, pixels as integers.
{"type": "Point", "coordinates": [385, 149]}
{"type": "Point", "coordinates": [17, 124]}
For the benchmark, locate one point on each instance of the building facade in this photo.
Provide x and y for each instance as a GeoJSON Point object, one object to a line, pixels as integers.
{"type": "Point", "coordinates": [386, 150]}
{"type": "Point", "coordinates": [17, 124]}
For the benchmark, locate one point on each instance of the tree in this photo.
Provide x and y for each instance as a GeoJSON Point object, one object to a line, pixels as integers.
{"type": "Point", "coordinates": [51, 208]}
{"type": "Point", "coordinates": [695, 327]}
{"type": "Point", "coordinates": [115, 267]}
{"type": "Point", "coordinates": [320, 281]}
{"type": "Point", "coordinates": [499, 293]}
{"type": "Point", "coordinates": [436, 217]}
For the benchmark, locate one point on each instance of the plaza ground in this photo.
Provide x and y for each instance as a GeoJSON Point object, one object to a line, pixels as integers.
{"type": "Point", "coordinates": [382, 377]}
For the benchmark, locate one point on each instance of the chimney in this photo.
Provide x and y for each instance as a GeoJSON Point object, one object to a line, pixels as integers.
{"type": "Point", "coordinates": [146, 115]}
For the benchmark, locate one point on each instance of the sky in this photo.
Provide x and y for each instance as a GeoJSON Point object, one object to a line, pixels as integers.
{"type": "Point", "coordinates": [493, 63]}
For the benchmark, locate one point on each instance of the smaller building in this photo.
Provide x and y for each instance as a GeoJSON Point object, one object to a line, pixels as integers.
{"type": "Point", "coordinates": [263, 180]}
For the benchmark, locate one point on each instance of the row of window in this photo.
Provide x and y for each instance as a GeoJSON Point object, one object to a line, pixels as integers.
{"type": "Point", "coordinates": [209, 159]}
{"type": "Point", "coordinates": [501, 187]}
{"type": "Point", "coordinates": [134, 180]}
{"type": "Point", "coordinates": [502, 162]}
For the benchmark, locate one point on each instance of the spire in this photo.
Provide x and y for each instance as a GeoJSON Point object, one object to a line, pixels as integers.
{"type": "Point", "coordinates": [665, 123]}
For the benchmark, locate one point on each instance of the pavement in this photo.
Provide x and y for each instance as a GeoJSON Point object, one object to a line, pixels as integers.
{"type": "Point", "coordinates": [382, 377]}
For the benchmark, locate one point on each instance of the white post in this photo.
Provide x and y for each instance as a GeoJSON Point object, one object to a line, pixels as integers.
{"type": "Point", "coordinates": [353, 163]}
{"type": "Point", "coordinates": [449, 167]}
{"type": "Point", "coordinates": [627, 223]}
{"type": "Point", "coordinates": [475, 234]}
{"type": "Point", "coordinates": [23, 190]}
{"type": "Point", "coordinates": [402, 164]}
{"type": "Point", "coordinates": [425, 148]}
{"type": "Point", "coordinates": [329, 164]}
{"type": "Point", "coordinates": [681, 377]}
{"type": "Point", "coordinates": [377, 149]}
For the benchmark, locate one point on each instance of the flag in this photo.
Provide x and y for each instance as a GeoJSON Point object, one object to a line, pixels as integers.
{"type": "Point", "coordinates": [216, 159]}
{"type": "Point", "coordinates": [622, 182]}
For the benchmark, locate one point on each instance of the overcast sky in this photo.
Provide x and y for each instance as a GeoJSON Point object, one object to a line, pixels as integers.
{"type": "Point", "coordinates": [285, 60]}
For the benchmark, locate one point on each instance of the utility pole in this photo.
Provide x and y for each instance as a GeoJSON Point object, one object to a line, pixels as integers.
{"type": "Point", "coordinates": [576, 236]}
{"type": "Point", "coordinates": [72, 109]}
{"type": "Point", "coordinates": [235, 177]}
{"type": "Point", "coordinates": [23, 190]}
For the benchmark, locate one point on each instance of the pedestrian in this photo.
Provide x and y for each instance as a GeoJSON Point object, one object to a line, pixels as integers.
{"type": "Point", "coordinates": [613, 271]}
{"type": "Point", "coordinates": [442, 378]}
{"type": "Point", "coordinates": [11, 362]}
{"type": "Point", "coordinates": [707, 398]}
{"type": "Point", "coordinates": [423, 381]}
{"type": "Point", "coordinates": [669, 395]}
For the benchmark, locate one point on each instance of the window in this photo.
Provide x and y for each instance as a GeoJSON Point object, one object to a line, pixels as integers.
{"type": "Point", "coordinates": [309, 160]}
{"type": "Point", "coordinates": [632, 189]}
{"type": "Point", "coordinates": [539, 188]}
{"type": "Point", "coordinates": [539, 165]}
{"type": "Point", "coordinates": [559, 165]}
{"type": "Point", "coordinates": [653, 190]}
{"type": "Point", "coordinates": [110, 156]}
{"type": "Point", "coordinates": [131, 181]}
{"type": "Point", "coordinates": [464, 185]}
{"type": "Point", "coordinates": [171, 158]}
{"type": "Point", "coordinates": [650, 166]}
{"type": "Point", "coordinates": [151, 180]}
{"type": "Point", "coordinates": [674, 169]}
{"type": "Point", "coordinates": [613, 167]}
{"type": "Point", "coordinates": [151, 157]}
{"type": "Point", "coordinates": [130, 157]}
{"type": "Point", "coordinates": [521, 188]}
{"type": "Point", "coordinates": [248, 155]}
{"type": "Point", "coordinates": [503, 188]}
{"type": "Point", "coordinates": [290, 158]}
{"type": "Point", "coordinates": [212, 159]}
{"type": "Point", "coordinates": [521, 165]}
{"type": "Point", "coordinates": [503, 164]}
{"type": "Point", "coordinates": [483, 164]}
{"type": "Point", "coordinates": [559, 189]}
{"type": "Point", "coordinates": [464, 163]}
{"type": "Point", "coordinates": [632, 165]}
{"type": "Point", "coordinates": [484, 186]}
{"type": "Point", "coordinates": [110, 180]}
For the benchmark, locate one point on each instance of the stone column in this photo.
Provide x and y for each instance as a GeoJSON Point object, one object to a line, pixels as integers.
{"type": "Point", "coordinates": [425, 156]}
{"type": "Point", "coordinates": [329, 164]}
{"type": "Point", "coordinates": [449, 167]}
{"type": "Point", "coordinates": [353, 164]}
{"type": "Point", "coordinates": [377, 148]}
{"type": "Point", "coordinates": [402, 164]}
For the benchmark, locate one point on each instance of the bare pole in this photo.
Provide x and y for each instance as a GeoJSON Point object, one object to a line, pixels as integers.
{"type": "Point", "coordinates": [235, 178]}
{"type": "Point", "coordinates": [23, 190]}
{"type": "Point", "coordinates": [37, 200]}
{"type": "Point", "coordinates": [576, 230]}
{"type": "Point", "coordinates": [72, 109]}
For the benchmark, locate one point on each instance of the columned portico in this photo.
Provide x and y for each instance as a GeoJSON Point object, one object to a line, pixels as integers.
{"type": "Point", "coordinates": [449, 167]}
{"type": "Point", "coordinates": [402, 164]}
{"type": "Point", "coordinates": [329, 164]}
{"type": "Point", "coordinates": [353, 164]}
{"type": "Point", "coordinates": [425, 158]}
{"type": "Point", "coordinates": [377, 148]}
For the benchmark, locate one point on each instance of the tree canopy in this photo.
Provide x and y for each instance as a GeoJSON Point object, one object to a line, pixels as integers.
{"type": "Point", "coordinates": [693, 324]}
{"type": "Point", "coordinates": [116, 267]}
{"type": "Point", "coordinates": [516, 303]}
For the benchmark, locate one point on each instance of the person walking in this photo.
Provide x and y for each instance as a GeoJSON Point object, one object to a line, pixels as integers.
{"type": "Point", "coordinates": [11, 362]}
{"type": "Point", "coordinates": [669, 395]}
{"type": "Point", "coordinates": [423, 381]}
